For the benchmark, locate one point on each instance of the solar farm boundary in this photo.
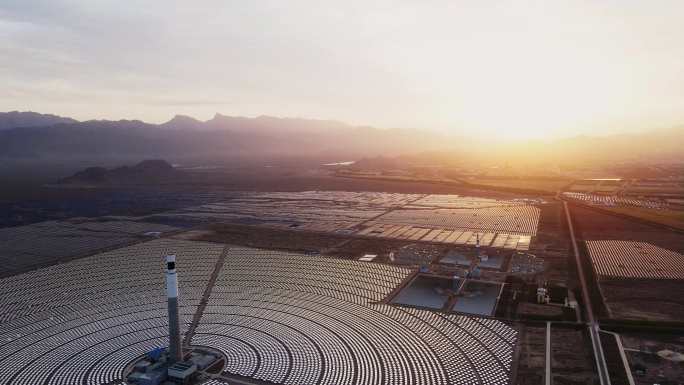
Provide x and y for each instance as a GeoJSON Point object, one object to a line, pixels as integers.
{"type": "Point", "coordinates": [138, 239]}
{"type": "Point", "coordinates": [624, 216]}
{"type": "Point", "coordinates": [457, 183]}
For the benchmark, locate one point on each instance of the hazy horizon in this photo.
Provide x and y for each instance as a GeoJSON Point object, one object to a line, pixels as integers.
{"type": "Point", "coordinates": [525, 70]}
{"type": "Point", "coordinates": [461, 135]}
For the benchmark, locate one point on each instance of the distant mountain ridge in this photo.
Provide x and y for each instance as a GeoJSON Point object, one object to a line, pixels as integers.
{"type": "Point", "coordinates": [222, 136]}
{"type": "Point", "coordinates": [228, 138]}
{"type": "Point", "coordinates": [146, 172]}
{"type": "Point", "coordinates": [14, 119]}
{"type": "Point", "coordinates": [259, 124]}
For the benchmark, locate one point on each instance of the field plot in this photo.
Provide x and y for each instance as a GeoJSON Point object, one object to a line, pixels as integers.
{"type": "Point", "coordinates": [499, 224]}
{"type": "Point", "coordinates": [367, 198]}
{"type": "Point", "coordinates": [648, 354]}
{"type": "Point", "coordinates": [24, 247]}
{"type": "Point", "coordinates": [614, 201]}
{"type": "Point", "coordinates": [662, 188]}
{"type": "Point", "coordinates": [436, 218]}
{"type": "Point", "coordinates": [297, 319]}
{"type": "Point", "coordinates": [525, 184]}
{"type": "Point", "coordinates": [644, 299]}
{"type": "Point", "coordinates": [506, 219]}
{"type": "Point", "coordinates": [81, 322]}
{"type": "Point", "coordinates": [605, 186]}
{"type": "Point", "coordinates": [532, 342]}
{"type": "Point", "coordinates": [465, 202]}
{"type": "Point", "coordinates": [572, 360]}
{"type": "Point", "coordinates": [446, 236]}
{"type": "Point", "coordinates": [288, 211]}
{"type": "Point", "coordinates": [625, 259]}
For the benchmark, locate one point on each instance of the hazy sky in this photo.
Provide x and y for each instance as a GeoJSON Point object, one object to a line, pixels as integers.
{"type": "Point", "coordinates": [533, 69]}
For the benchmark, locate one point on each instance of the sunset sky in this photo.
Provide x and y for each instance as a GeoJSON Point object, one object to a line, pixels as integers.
{"type": "Point", "coordinates": [537, 69]}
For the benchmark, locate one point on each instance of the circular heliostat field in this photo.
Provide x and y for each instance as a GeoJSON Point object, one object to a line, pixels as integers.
{"type": "Point", "coordinates": [278, 317]}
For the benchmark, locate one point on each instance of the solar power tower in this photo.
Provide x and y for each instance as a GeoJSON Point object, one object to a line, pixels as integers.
{"type": "Point", "coordinates": [175, 350]}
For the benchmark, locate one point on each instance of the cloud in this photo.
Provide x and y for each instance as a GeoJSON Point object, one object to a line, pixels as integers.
{"type": "Point", "coordinates": [185, 102]}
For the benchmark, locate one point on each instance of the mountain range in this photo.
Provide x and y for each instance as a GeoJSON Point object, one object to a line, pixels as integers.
{"type": "Point", "coordinates": [220, 137]}
{"type": "Point", "coordinates": [41, 137]}
{"type": "Point", "coordinates": [14, 119]}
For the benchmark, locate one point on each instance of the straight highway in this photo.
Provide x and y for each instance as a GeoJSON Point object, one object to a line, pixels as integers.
{"type": "Point", "coordinates": [589, 311]}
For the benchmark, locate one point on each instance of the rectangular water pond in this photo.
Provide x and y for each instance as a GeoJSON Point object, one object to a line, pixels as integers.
{"type": "Point", "coordinates": [478, 297]}
{"type": "Point", "coordinates": [425, 291]}
{"type": "Point", "coordinates": [456, 258]}
{"type": "Point", "coordinates": [493, 262]}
